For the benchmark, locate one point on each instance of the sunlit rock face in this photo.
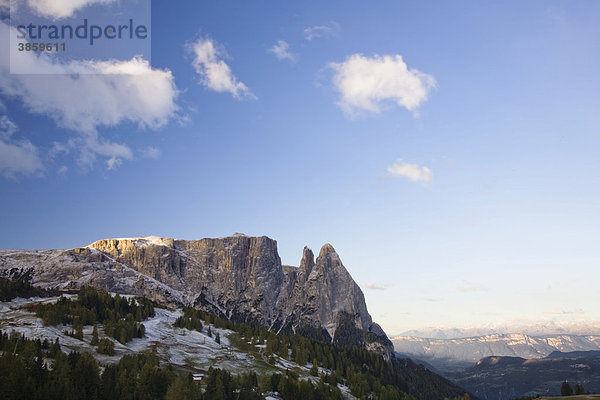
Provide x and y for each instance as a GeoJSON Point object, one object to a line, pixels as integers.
{"type": "Point", "coordinates": [239, 277]}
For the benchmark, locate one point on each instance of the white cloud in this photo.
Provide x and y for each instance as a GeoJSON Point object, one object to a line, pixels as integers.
{"type": "Point", "coordinates": [150, 152]}
{"type": "Point", "coordinates": [92, 145]}
{"type": "Point", "coordinates": [282, 52]}
{"type": "Point", "coordinates": [413, 172]}
{"type": "Point", "coordinates": [93, 93]}
{"type": "Point", "coordinates": [467, 287]}
{"type": "Point", "coordinates": [113, 163]}
{"type": "Point", "coordinates": [215, 74]}
{"type": "Point", "coordinates": [7, 127]}
{"type": "Point", "coordinates": [316, 31]}
{"type": "Point", "coordinates": [62, 169]}
{"type": "Point", "coordinates": [373, 286]}
{"type": "Point", "coordinates": [56, 9]}
{"type": "Point", "coordinates": [371, 84]}
{"type": "Point", "coordinates": [17, 157]}
{"type": "Point", "coordinates": [84, 95]}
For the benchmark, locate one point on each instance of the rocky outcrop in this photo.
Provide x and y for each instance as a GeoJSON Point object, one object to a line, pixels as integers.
{"type": "Point", "coordinates": [238, 277]}
{"type": "Point", "coordinates": [323, 291]}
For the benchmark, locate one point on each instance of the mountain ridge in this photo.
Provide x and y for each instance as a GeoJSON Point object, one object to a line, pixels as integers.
{"type": "Point", "coordinates": [455, 354]}
{"type": "Point", "coordinates": [240, 277]}
{"type": "Point", "coordinates": [535, 328]}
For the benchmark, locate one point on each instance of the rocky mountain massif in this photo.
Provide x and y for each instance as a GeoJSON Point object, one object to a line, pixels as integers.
{"type": "Point", "coordinates": [238, 277]}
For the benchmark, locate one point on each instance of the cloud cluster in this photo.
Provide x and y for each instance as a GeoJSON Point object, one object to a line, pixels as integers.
{"type": "Point", "coordinates": [317, 31]}
{"type": "Point", "coordinates": [373, 83]}
{"type": "Point", "coordinates": [413, 172]}
{"type": "Point", "coordinates": [57, 9]}
{"type": "Point", "coordinates": [17, 157]}
{"type": "Point", "coordinates": [282, 52]}
{"type": "Point", "coordinates": [215, 74]}
{"type": "Point", "coordinates": [84, 95]}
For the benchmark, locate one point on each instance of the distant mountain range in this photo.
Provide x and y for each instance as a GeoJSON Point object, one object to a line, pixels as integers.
{"type": "Point", "coordinates": [507, 366]}
{"type": "Point", "coordinates": [458, 354]}
{"type": "Point", "coordinates": [547, 328]}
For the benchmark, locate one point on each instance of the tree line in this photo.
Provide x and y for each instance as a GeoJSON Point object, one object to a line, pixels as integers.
{"type": "Point", "coordinates": [567, 390]}
{"type": "Point", "coordinates": [366, 373]}
{"type": "Point", "coordinates": [121, 317]}
{"type": "Point", "coordinates": [11, 289]}
{"type": "Point", "coordinates": [36, 370]}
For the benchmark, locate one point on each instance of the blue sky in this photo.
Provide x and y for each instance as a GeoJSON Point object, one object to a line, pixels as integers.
{"type": "Point", "coordinates": [462, 190]}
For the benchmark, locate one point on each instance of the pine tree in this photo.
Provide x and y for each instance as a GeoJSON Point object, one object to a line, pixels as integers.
{"type": "Point", "coordinates": [182, 388]}
{"type": "Point", "coordinates": [565, 389]}
{"type": "Point", "coordinates": [55, 349]}
{"type": "Point", "coordinates": [218, 338]}
{"type": "Point", "coordinates": [314, 370]}
{"type": "Point", "coordinates": [301, 357]}
{"type": "Point", "coordinates": [106, 346]}
{"type": "Point", "coordinates": [94, 341]}
{"type": "Point", "coordinates": [78, 334]}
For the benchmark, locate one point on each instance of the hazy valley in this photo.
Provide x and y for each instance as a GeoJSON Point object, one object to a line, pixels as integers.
{"type": "Point", "coordinates": [511, 365]}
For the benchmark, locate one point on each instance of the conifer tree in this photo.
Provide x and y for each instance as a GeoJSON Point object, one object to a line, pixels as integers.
{"type": "Point", "coordinates": [565, 389]}
{"type": "Point", "coordinates": [94, 341]}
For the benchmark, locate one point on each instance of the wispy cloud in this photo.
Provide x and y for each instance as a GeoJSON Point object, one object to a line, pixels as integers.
{"type": "Point", "coordinates": [467, 287]}
{"type": "Point", "coordinates": [414, 172]}
{"type": "Point", "coordinates": [92, 145]}
{"type": "Point", "coordinates": [432, 300]}
{"type": "Point", "coordinates": [214, 73]}
{"type": "Point", "coordinates": [371, 84]}
{"type": "Point", "coordinates": [150, 152]}
{"type": "Point", "coordinates": [281, 50]}
{"type": "Point", "coordinates": [317, 31]}
{"type": "Point", "coordinates": [56, 9]}
{"type": "Point", "coordinates": [565, 312]}
{"type": "Point", "coordinates": [113, 163]}
{"type": "Point", "coordinates": [18, 158]}
{"type": "Point", "coordinates": [373, 286]}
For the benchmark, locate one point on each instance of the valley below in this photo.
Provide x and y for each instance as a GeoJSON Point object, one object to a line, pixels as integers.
{"type": "Point", "coordinates": [508, 366]}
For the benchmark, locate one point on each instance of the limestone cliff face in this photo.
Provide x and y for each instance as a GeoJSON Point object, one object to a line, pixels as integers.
{"type": "Point", "coordinates": [239, 277]}
{"type": "Point", "coordinates": [322, 290]}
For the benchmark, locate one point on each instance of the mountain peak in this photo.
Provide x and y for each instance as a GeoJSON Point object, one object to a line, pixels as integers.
{"type": "Point", "coordinates": [327, 249]}
{"type": "Point", "coordinates": [307, 263]}
{"type": "Point", "coordinates": [238, 277]}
